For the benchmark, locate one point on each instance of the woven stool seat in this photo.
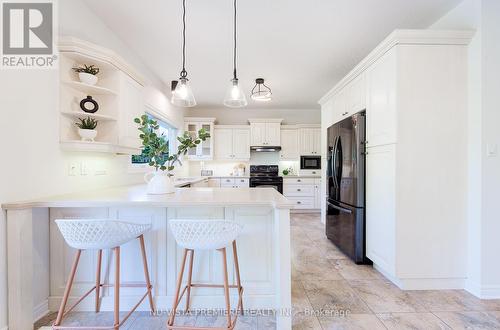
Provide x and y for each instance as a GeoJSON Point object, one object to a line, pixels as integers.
{"type": "Point", "coordinates": [204, 234]}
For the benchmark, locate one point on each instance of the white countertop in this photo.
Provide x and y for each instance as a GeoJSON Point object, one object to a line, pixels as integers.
{"type": "Point", "coordinates": [301, 176]}
{"type": "Point", "coordinates": [183, 197]}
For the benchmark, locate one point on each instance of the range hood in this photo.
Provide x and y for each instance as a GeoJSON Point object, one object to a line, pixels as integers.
{"type": "Point", "coordinates": [265, 149]}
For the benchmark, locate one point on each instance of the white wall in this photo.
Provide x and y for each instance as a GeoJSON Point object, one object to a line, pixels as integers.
{"type": "Point", "coordinates": [227, 116]}
{"type": "Point", "coordinates": [32, 164]}
{"type": "Point", "coordinates": [483, 121]}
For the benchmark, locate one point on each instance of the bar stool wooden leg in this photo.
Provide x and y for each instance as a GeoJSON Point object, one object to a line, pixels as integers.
{"type": "Point", "coordinates": [178, 289]}
{"type": "Point", "coordinates": [98, 280]}
{"type": "Point", "coordinates": [67, 290]}
{"type": "Point", "coordinates": [226, 287]}
{"type": "Point", "coordinates": [189, 281]}
{"type": "Point", "coordinates": [146, 273]}
{"type": "Point", "coordinates": [237, 269]}
{"type": "Point", "coordinates": [117, 287]}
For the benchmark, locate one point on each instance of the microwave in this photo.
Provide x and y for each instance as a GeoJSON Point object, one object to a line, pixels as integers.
{"type": "Point", "coordinates": [310, 162]}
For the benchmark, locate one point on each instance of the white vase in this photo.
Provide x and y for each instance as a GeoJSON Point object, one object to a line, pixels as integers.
{"type": "Point", "coordinates": [87, 78]}
{"type": "Point", "coordinates": [159, 183]}
{"type": "Point", "coordinates": [87, 134]}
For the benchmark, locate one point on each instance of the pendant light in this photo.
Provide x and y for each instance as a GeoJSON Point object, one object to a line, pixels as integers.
{"type": "Point", "coordinates": [235, 97]}
{"type": "Point", "coordinates": [182, 94]}
{"type": "Point", "coordinates": [260, 92]}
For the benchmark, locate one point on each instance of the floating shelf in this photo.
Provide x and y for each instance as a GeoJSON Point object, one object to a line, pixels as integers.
{"type": "Point", "coordinates": [77, 145]}
{"type": "Point", "coordinates": [89, 89]}
{"type": "Point", "coordinates": [80, 114]}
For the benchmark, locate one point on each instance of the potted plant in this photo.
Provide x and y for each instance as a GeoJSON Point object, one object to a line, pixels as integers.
{"type": "Point", "coordinates": [87, 74]}
{"type": "Point", "coordinates": [155, 147]}
{"type": "Point", "coordinates": [86, 129]}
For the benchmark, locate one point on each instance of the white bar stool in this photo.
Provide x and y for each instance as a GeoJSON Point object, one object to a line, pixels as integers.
{"type": "Point", "coordinates": [100, 234]}
{"type": "Point", "coordinates": [206, 235]}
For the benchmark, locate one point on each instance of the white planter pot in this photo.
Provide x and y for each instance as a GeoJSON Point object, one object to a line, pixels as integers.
{"type": "Point", "coordinates": [159, 183]}
{"type": "Point", "coordinates": [87, 134]}
{"type": "Point", "coordinates": [87, 78]}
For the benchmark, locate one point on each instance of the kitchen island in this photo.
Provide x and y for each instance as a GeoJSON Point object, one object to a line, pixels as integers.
{"type": "Point", "coordinates": [39, 260]}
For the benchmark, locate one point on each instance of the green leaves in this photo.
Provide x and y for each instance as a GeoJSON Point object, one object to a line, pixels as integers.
{"type": "Point", "coordinates": [90, 69]}
{"type": "Point", "coordinates": [87, 123]}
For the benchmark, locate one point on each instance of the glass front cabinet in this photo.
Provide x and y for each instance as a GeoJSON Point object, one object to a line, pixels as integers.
{"type": "Point", "coordinates": [205, 150]}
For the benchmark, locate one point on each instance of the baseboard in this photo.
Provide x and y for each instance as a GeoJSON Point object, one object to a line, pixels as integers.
{"type": "Point", "coordinates": [298, 211]}
{"type": "Point", "coordinates": [256, 302]}
{"type": "Point", "coordinates": [484, 291]}
{"type": "Point", "coordinates": [41, 310]}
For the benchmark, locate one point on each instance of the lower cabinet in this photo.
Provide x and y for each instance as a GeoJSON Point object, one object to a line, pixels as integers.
{"type": "Point", "coordinates": [304, 192]}
{"type": "Point", "coordinates": [234, 182]}
{"type": "Point", "coordinates": [214, 182]}
{"type": "Point", "coordinates": [203, 183]}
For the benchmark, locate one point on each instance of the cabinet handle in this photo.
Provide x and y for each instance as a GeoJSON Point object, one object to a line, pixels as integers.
{"type": "Point", "coordinates": [299, 202]}
{"type": "Point", "coordinates": [298, 180]}
{"type": "Point", "coordinates": [298, 190]}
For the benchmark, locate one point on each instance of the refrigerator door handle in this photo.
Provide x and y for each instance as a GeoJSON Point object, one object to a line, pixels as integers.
{"type": "Point", "coordinates": [334, 160]}
{"type": "Point", "coordinates": [339, 208]}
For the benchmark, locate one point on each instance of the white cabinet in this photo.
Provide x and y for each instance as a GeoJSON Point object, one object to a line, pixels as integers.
{"type": "Point", "coordinates": [131, 106]}
{"type": "Point", "coordinates": [380, 206]}
{"type": "Point", "coordinates": [310, 141]}
{"type": "Point", "coordinates": [234, 182]}
{"type": "Point", "coordinates": [357, 95]}
{"type": "Point", "coordinates": [302, 192]}
{"type": "Point", "coordinates": [289, 143]}
{"type": "Point", "coordinates": [381, 107]}
{"type": "Point", "coordinates": [204, 151]}
{"type": "Point", "coordinates": [232, 142]}
{"type": "Point", "coordinates": [265, 132]}
{"type": "Point", "coordinates": [317, 193]}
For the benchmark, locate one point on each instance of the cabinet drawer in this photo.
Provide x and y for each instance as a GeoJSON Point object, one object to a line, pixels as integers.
{"type": "Point", "coordinates": [298, 190]}
{"type": "Point", "coordinates": [241, 183]}
{"type": "Point", "coordinates": [298, 180]}
{"type": "Point", "coordinates": [227, 182]}
{"type": "Point", "coordinates": [302, 202]}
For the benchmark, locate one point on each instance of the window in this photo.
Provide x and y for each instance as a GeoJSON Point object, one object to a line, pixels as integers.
{"type": "Point", "coordinates": [168, 131]}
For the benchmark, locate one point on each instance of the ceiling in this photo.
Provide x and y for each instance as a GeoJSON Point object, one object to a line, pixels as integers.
{"type": "Point", "coordinates": [302, 48]}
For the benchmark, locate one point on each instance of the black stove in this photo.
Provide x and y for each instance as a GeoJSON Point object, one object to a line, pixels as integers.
{"type": "Point", "coordinates": [265, 176]}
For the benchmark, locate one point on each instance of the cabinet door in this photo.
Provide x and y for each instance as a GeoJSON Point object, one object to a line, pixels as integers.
{"type": "Point", "coordinates": [273, 134]}
{"type": "Point", "coordinates": [289, 144]}
{"type": "Point", "coordinates": [241, 143]}
{"type": "Point", "coordinates": [205, 148]}
{"type": "Point", "coordinates": [241, 182]}
{"type": "Point", "coordinates": [381, 106]}
{"type": "Point", "coordinates": [357, 95]}
{"type": "Point", "coordinates": [257, 134]}
{"type": "Point", "coordinates": [340, 106]}
{"type": "Point", "coordinates": [223, 143]}
{"type": "Point", "coordinates": [316, 137]}
{"type": "Point", "coordinates": [306, 141]}
{"type": "Point", "coordinates": [192, 129]}
{"type": "Point", "coordinates": [131, 106]}
{"type": "Point", "coordinates": [317, 194]}
{"type": "Point", "coordinates": [380, 206]}
{"type": "Point", "coordinates": [214, 182]}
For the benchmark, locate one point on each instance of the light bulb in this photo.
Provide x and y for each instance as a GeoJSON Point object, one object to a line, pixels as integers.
{"type": "Point", "coordinates": [235, 97]}
{"type": "Point", "coordinates": [183, 95]}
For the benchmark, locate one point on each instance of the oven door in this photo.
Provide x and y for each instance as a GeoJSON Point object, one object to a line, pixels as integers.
{"type": "Point", "coordinates": [267, 184]}
{"type": "Point", "coordinates": [310, 162]}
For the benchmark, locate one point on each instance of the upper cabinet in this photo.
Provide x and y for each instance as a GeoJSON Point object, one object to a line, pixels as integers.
{"type": "Point", "coordinates": [381, 117]}
{"type": "Point", "coordinates": [356, 95]}
{"type": "Point", "coordinates": [204, 150]}
{"type": "Point", "coordinates": [232, 142]}
{"type": "Point", "coordinates": [117, 98]}
{"type": "Point", "coordinates": [265, 132]}
{"type": "Point", "coordinates": [310, 140]}
{"type": "Point", "coordinates": [289, 143]}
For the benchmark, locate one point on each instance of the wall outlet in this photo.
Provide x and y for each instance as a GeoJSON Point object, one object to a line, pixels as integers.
{"type": "Point", "coordinates": [73, 169]}
{"type": "Point", "coordinates": [491, 150]}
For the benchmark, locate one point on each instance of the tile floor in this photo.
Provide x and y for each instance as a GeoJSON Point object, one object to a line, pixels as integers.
{"type": "Point", "coordinates": [331, 292]}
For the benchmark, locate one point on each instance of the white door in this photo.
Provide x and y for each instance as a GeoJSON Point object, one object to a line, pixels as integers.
{"type": "Point", "coordinates": [241, 143]}
{"type": "Point", "coordinates": [223, 143]}
{"type": "Point", "coordinates": [131, 106]}
{"type": "Point", "coordinates": [381, 106]}
{"type": "Point", "coordinates": [380, 206]}
{"type": "Point", "coordinates": [306, 141]}
{"type": "Point", "coordinates": [258, 134]}
{"type": "Point", "coordinates": [357, 94]}
{"type": "Point", "coordinates": [289, 144]}
{"type": "Point", "coordinates": [273, 134]}
{"type": "Point", "coordinates": [316, 137]}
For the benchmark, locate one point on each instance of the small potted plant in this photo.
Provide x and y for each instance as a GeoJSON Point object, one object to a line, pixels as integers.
{"type": "Point", "coordinates": [155, 147]}
{"type": "Point", "coordinates": [86, 129]}
{"type": "Point", "coordinates": [87, 74]}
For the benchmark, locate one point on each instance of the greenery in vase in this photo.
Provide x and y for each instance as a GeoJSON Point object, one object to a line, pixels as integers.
{"type": "Point", "coordinates": [90, 69]}
{"type": "Point", "coordinates": [87, 123]}
{"type": "Point", "coordinates": [155, 145]}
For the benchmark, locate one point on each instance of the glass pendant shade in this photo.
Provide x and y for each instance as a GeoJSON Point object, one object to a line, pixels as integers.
{"type": "Point", "coordinates": [182, 95]}
{"type": "Point", "coordinates": [261, 92]}
{"type": "Point", "coordinates": [235, 97]}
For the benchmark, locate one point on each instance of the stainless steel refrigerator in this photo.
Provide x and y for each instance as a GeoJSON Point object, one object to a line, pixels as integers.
{"type": "Point", "coordinates": [345, 203]}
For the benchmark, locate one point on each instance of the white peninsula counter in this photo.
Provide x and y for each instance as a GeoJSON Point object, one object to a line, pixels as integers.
{"type": "Point", "coordinates": [39, 260]}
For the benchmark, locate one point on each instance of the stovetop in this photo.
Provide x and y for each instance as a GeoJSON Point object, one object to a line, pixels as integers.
{"type": "Point", "coordinates": [264, 170]}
